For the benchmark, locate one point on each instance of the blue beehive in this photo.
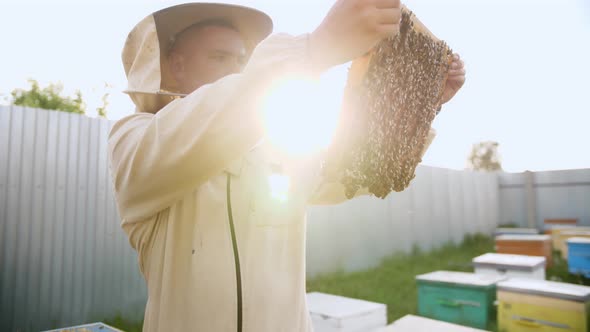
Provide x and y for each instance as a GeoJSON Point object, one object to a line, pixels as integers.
{"type": "Point", "coordinates": [579, 255]}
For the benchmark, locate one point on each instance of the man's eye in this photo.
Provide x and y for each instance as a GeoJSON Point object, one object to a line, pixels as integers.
{"type": "Point", "coordinates": [219, 58]}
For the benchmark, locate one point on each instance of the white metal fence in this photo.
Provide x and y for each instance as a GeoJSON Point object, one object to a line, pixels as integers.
{"type": "Point", "coordinates": [65, 261]}
{"type": "Point", "coordinates": [63, 258]}
{"type": "Point", "coordinates": [440, 206]}
{"type": "Point", "coordinates": [527, 199]}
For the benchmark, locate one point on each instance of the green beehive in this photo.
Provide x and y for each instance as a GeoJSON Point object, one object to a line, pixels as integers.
{"type": "Point", "coordinates": [458, 297]}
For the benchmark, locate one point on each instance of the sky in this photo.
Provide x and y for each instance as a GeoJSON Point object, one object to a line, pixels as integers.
{"type": "Point", "coordinates": [527, 62]}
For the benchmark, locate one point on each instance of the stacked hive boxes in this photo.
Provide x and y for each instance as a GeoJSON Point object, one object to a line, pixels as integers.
{"type": "Point", "coordinates": [506, 290]}
{"type": "Point", "coordinates": [515, 276]}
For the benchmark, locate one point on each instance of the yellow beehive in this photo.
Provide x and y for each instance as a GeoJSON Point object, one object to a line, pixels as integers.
{"type": "Point", "coordinates": [544, 306]}
{"type": "Point", "coordinates": [566, 234]}
{"type": "Point", "coordinates": [555, 231]}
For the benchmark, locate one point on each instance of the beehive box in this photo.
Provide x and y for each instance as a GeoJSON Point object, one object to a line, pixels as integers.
{"type": "Point", "coordinates": [544, 306]}
{"type": "Point", "coordinates": [556, 231]}
{"type": "Point", "coordinates": [560, 222]}
{"type": "Point", "coordinates": [550, 229]}
{"type": "Point", "coordinates": [331, 313]}
{"type": "Point", "coordinates": [458, 297]}
{"type": "Point", "coordinates": [565, 235]}
{"type": "Point", "coordinates": [93, 327]}
{"type": "Point", "coordinates": [510, 265]}
{"type": "Point", "coordinates": [516, 231]}
{"type": "Point", "coordinates": [530, 245]}
{"type": "Point", "coordinates": [411, 323]}
{"type": "Point", "coordinates": [579, 256]}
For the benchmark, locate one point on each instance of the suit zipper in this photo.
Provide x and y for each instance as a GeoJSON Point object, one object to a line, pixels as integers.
{"type": "Point", "coordinates": [236, 253]}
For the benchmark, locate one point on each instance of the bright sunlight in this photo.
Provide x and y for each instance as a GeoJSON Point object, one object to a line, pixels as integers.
{"type": "Point", "coordinates": [301, 115]}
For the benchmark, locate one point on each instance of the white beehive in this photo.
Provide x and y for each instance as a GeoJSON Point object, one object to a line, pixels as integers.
{"type": "Point", "coordinates": [516, 231]}
{"type": "Point", "coordinates": [331, 313]}
{"type": "Point", "coordinates": [522, 266]}
{"type": "Point", "coordinates": [93, 327]}
{"type": "Point", "coordinates": [411, 323]}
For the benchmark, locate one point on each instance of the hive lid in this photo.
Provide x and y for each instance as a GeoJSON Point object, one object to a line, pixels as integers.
{"type": "Point", "coordinates": [340, 307]}
{"type": "Point", "coordinates": [93, 327]}
{"type": "Point", "coordinates": [411, 323]}
{"type": "Point", "coordinates": [553, 289]}
{"type": "Point", "coordinates": [574, 232]}
{"type": "Point", "coordinates": [566, 227]}
{"type": "Point", "coordinates": [578, 240]}
{"type": "Point", "coordinates": [513, 237]}
{"type": "Point", "coordinates": [461, 278]}
{"type": "Point", "coordinates": [530, 231]}
{"type": "Point", "coordinates": [510, 261]}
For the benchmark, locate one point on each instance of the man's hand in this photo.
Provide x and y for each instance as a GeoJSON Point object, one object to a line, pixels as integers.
{"type": "Point", "coordinates": [352, 28]}
{"type": "Point", "coordinates": [455, 79]}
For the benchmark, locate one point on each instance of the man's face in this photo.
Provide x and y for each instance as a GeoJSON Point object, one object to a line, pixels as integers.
{"type": "Point", "coordinates": [205, 54]}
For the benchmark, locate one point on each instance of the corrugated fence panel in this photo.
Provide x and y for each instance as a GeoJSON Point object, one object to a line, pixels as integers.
{"type": "Point", "coordinates": [440, 206]}
{"type": "Point", "coordinates": [421, 200]}
{"type": "Point", "coordinates": [563, 194]}
{"type": "Point", "coordinates": [49, 221]}
{"type": "Point", "coordinates": [401, 214]}
{"type": "Point", "coordinates": [454, 198]}
{"type": "Point", "coordinates": [440, 222]}
{"type": "Point", "coordinates": [10, 288]}
{"type": "Point", "coordinates": [513, 205]}
{"type": "Point", "coordinates": [63, 258]}
{"type": "Point", "coordinates": [557, 194]}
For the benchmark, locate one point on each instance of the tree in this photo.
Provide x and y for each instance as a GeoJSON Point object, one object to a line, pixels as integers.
{"type": "Point", "coordinates": [484, 157]}
{"type": "Point", "coordinates": [50, 98]}
{"type": "Point", "coordinates": [102, 110]}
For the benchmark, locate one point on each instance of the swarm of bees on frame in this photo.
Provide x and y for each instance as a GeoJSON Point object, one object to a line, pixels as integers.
{"type": "Point", "coordinates": [391, 98]}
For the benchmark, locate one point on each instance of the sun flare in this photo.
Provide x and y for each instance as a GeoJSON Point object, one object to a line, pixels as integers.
{"type": "Point", "coordinates": [300, 115]}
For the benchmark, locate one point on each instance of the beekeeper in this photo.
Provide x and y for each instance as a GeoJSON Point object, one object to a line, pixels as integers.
{"type": "Point", "coordinates": [190, 169]}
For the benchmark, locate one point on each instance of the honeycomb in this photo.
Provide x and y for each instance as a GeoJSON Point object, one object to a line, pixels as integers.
{"type": "Point", "coordinates": [391, 98]}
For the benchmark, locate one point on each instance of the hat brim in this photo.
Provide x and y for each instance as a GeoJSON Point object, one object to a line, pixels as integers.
{"type": "Point", "coordinates": [252, 24]}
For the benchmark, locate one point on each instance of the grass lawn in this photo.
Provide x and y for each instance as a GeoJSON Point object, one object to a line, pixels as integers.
{"type": "Point", "coordinates": [393, 281]}
{"type": "Point", "coordinates": [124, 324]}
